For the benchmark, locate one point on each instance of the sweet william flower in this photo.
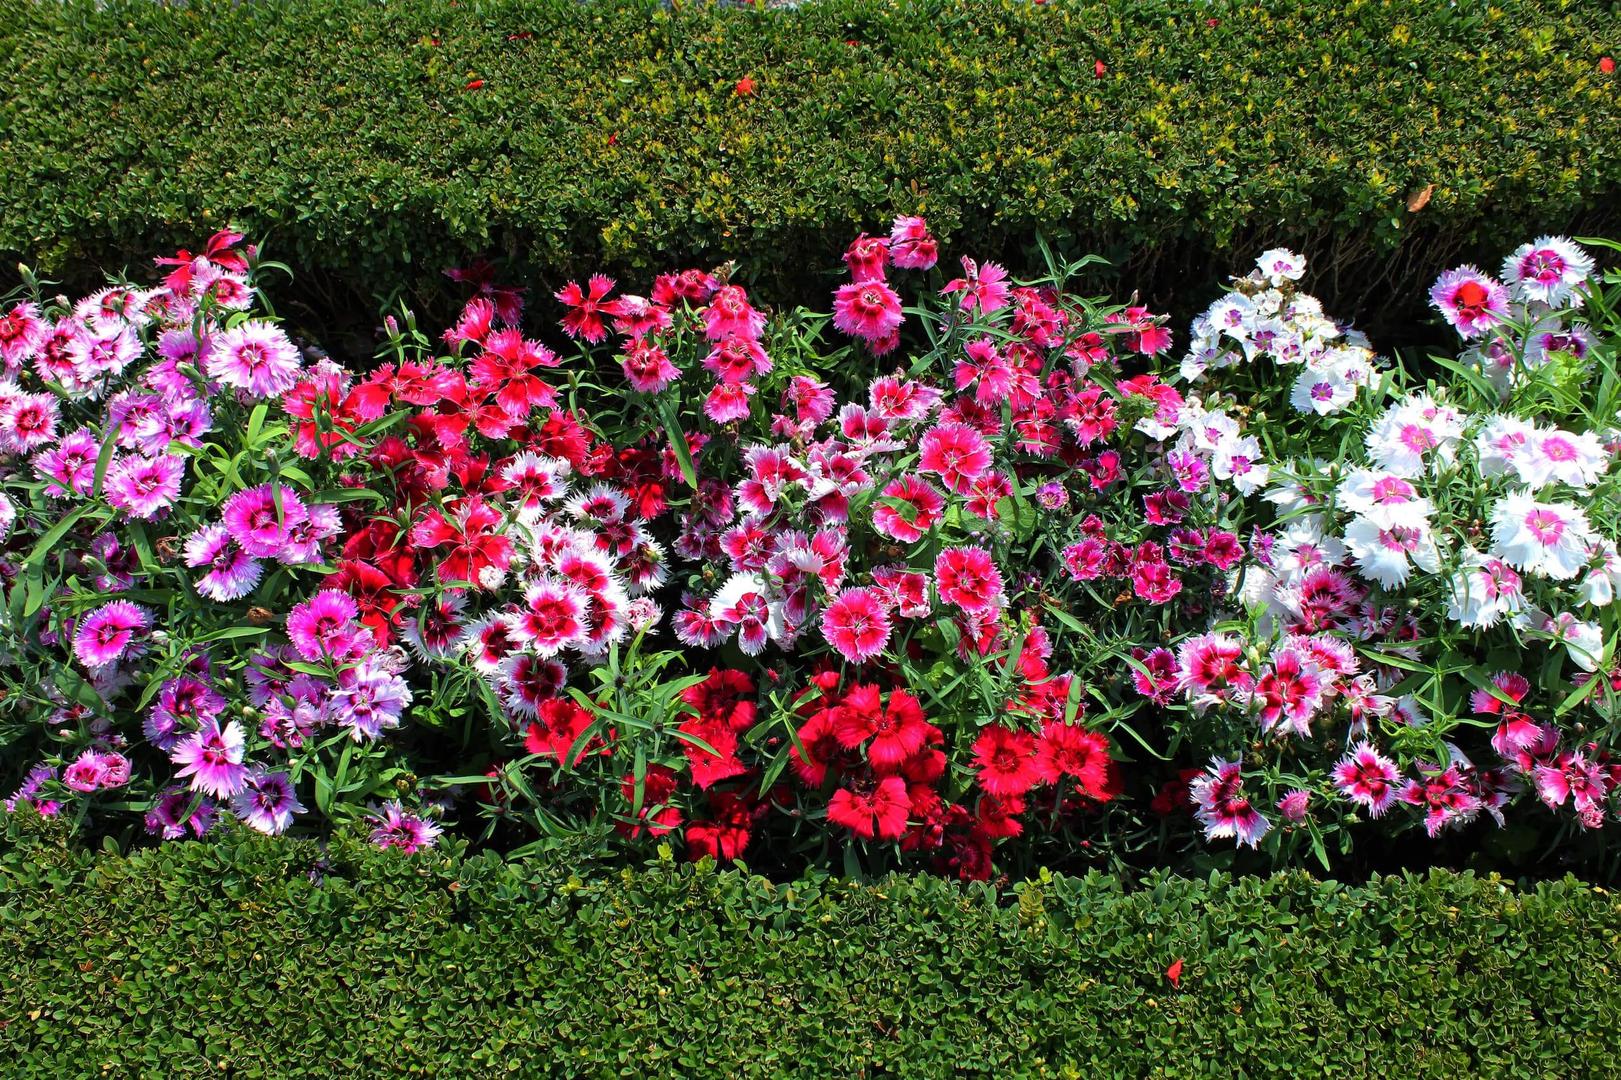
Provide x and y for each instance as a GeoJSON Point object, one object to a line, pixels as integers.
{"type": "Point", "coordinates": [869, 310]}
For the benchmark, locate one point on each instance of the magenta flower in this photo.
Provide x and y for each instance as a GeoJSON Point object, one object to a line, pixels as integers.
{"type": "Point", "coordinates": [911, 245]}
{"type": "Point", "coordinates": [255, 357]}
{"type": "Point", "coordinates": [324, 626]}
{"type": "Point", "coordinates": [983, 287]}
{"type": "Point", "coordinates": [1222, 807]}
{"type": "Point", "coordinates": [729, 314]}
{"type": "Point", "coordinates": [869, 310]}
{"type": "Point", "coordinates": [254, 521]}
{"type": "Point", "coordinates": [213, 759]}
{"type": "Point", "coordinates": [1368, 778]}
{"type": "Point", "coordinates": [106, 635]}
{"type": "Point", "coordinates": [857, 624]}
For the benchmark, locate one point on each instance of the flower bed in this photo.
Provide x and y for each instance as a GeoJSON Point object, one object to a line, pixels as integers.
{"type": "Point", "coordinates": [992, 579]}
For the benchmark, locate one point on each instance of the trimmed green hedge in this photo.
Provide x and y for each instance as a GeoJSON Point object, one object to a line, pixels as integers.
{"type": "Point", "coordinates": [612, 133]}
{"type": "Point", "coordinates": [252, 957]}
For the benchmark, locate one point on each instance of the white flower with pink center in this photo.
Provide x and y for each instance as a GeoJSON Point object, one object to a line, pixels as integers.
{"type": "Point", "coordinates": [1574, 459]}
{"type": "Point", "coordinates": [1414, 435]}
{"type": "Point", "coordinates": [1384, 497]}
{"type": "Point", "coordinates": [1545, 539]}
{"type": "Point", "coordinates": [1548, 270]}
{"type": "Point", "coordinates": [1483, 591]}
{"type": "Point", "coordinates": [1600, 584]}
{"type": "Point", "coordinates": [1501, 442]}
{"type": "Point", "coordinates": [1387, 554]}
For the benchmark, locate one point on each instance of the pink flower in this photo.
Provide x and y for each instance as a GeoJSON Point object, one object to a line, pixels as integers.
{"type": "Point", "coordinates": [866, 257]}
{"type": "Point", "coordinates": [648, 368]}
{"type": "Point", "coordinates": [983, 287]}
{"type": "Point", "coordinates": [325, 626]}
{"type": "Point", "coordinates": [28, 422]}
{"type": "Point", "coordinates": [586, 308]}
{"type": "Point", "coordinates": [869, 310]}
{"type": "Point", "coordinates": [957, 453]}
{"type": "Point", "coordinates": [911, 508]}
{"type": "Point", "coordinates": [857, 625]}
{"type": "Point", "coordinates": [968, 578]}
{"type": "Point", "coordinates": [213, 759]}
{"type": "Point", "coordinates": [553, 616]}
{"type": "Point", "coordinates": [1210, 667]}
{"type": "Point", "coordinates": [1472, 302]}
{"type": "Point", "coordinates": [1367, 778]}
{"type": "Point", "coordinates": [1289, 692]}
{"type": "Point", "coordinates": [22, 332]}
{"type": "Point", "coordinates": [911, 245]}
{"type": "Point", "coordinates": [255, 357]}
{"type": "Point", "coordinates": [730, 315]}
{"type": "Point", "coordinates": [105, 635]}
{"type": "Point", "coordinates": [878, 814]}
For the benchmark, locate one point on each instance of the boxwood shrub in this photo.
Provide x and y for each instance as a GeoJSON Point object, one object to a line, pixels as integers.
{"type": "Point", "coordinates": [376, 141]}
{"type": "Point", "coordinates": [253, 958]}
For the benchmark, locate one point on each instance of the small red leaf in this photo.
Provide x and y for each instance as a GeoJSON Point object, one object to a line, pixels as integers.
{"type": "Point", "coordinates": [1174, 973]}
{"type": "Point", "coordinates": [1100, 69]}
{"type": "Point", "coordinates": [744, 87]}
{"type": "Point", "coordinates": [475, 84]}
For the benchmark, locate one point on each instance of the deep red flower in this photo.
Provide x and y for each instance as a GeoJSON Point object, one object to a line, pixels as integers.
{"type": "Point", "coordinates": [586, 307]}
{"type": "Point", "coordinates": [879, 813]}
{"type": "Point", "coordinates": [1006, 760]}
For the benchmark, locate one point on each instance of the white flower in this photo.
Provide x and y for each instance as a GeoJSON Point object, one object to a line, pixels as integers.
{"type": "Point", "coordinates": [1483, 591]}
{"type": "Point", "coordinates": [1387, 555]}
{"type": "Point", "coordinates": [1413, 434]}
{"type": "Point", "coordinates": [1278, 265]}
{"type": "Point", "coordinates": [1549, 539]}
{"type": "Point", "coordinates": [1500, 443]}
{"type": "Point", "coordinates": [1567, 457]}
{"type": "Point", "coordinates": [1599, 585]}
{"type": "Point", "coordinates": [1583, 640]}
{"type": "Point", "coordinates": [1384, 497]}
{"type": "Point", "coordinates": [1547, 270]}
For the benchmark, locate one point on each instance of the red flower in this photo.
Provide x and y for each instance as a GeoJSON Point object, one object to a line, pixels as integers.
{"type": "Point", "coordinates": [744, 87]}
{"type": "Point", "coordinates": [876, 814]}
{"type": "Point", "coordinates": [726, 835]}
{"type": "Point", "coordinates": [1071, 750]}
{"type": "Point", "coordinates": [1606, 64]}
{"type": "Point", "coordinates": [478, 553]}
{"type": "Point", "coordinates": [1006, 760]}
{"type": "Point", "coordinates": [558, 725]}
{"type": "Point", "coordinates": [724, 698]}
{"type": "Point", "coordinates": [658, 785]}
{"type": "Point", "coordinates": [584, 320]}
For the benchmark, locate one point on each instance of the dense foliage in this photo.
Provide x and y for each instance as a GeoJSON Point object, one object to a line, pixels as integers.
{"type": "Point", "coordinates": [991, 581]}
{"type": "Point", "coordinates": [276, 958]}
{"type": "Point", "coordinates": [1386, 137]}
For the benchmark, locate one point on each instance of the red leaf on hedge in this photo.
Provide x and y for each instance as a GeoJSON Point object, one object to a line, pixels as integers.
{"type": "Point", "coordinates": [744, 87]}
{"type": "Point", "coordinates": [1100, 69]}
{"type": "Point", "coordinates": [1174, 973]}
{"type": "Point", "coordinates": [475, 84]}
{"type": "Point", "coordinates": [1606, 64]}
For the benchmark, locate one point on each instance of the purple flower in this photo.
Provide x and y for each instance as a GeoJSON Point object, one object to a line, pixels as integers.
{"type": "Point", "coordinates": [69, 467]}
{"type": "Point", "coordinates": [396, 827]}
{"type": "Point", "coordinates": [213, 759]}
{"type": "Point", "coordinates": [266, 802]}
{"type": "Point", "coordinates": [254, 356]}
{"type": "Point", "coordinates": [368, 700]}
{"type": "Point", "coordinates": [232, 573]}
{"type": "Point", "coordinates": [1295, 805]}
{"type": "Point", "coordinates": [28, 793]}
{"type": "Point", "coordinates": [182, 703]}
{"type": "Point", "coordinates": [106, 634]}
{"type": "Point", "coordinates": [142, 486]}
{"type": "Point", "coordinates": [176, 811]}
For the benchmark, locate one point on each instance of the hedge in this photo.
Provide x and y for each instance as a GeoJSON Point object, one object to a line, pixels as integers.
{"type": "Point", "coordinates": [374, 143]}
{"type": "Point", "coordinates": [269, 958]}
